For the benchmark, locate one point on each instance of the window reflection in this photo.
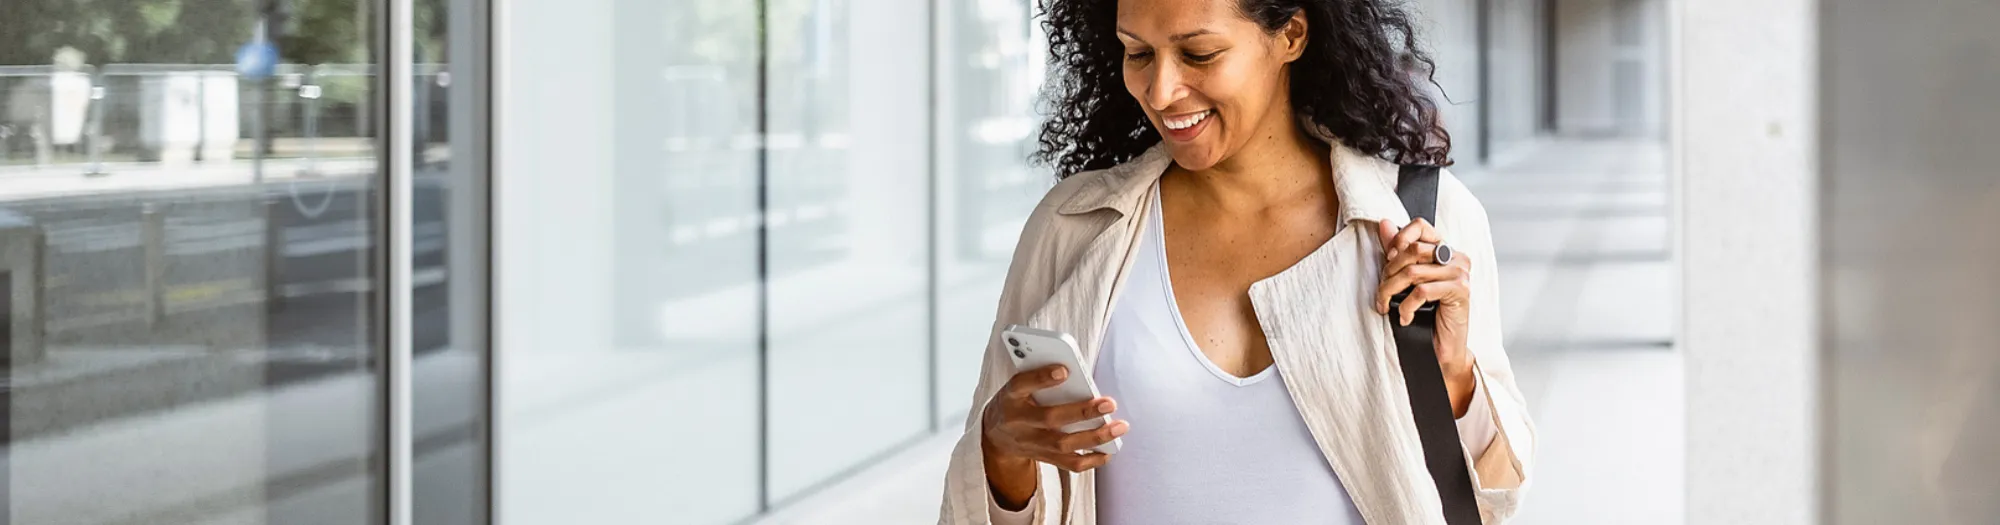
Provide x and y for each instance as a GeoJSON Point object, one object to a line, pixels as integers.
{"type": "Point", "coordinates": [187, 248]}
{"type": "Point", "coordinates": [992, 70]}
{"type": "Point", "coordinates": [847, 149]}
{"type": "Point", "coordinates": [627, 235]}
{"type": "Point", "coordinates": [448, 262]}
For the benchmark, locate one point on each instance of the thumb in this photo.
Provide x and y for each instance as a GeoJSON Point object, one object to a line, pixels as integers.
{"type": "Point", "coordinates": [1385, 230]}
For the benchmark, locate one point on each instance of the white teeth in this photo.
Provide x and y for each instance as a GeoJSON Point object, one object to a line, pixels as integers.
{"type": "Point", "coordinates": [1181, 123]}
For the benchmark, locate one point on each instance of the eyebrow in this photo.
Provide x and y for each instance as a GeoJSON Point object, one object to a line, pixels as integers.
{"type": "Point", "coordinates": [1176, 38]}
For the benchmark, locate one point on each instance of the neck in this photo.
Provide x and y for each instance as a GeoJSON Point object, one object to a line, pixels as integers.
{"type": "Point", "coordinates": [1280, 164]}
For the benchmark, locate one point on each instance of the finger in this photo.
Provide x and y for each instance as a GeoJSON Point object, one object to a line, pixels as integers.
{"type": "Point", "coordinates": [1385, 230]}
{"type": "Point", "coordinates": [1038, 443]}
{"type": "Point", "coordinates": [1059, 415]}
{"type": "Point", "coordinates": [1034, 443]}
{"type": "Point", "coordinates": [1417, 230]}
{"type": "Point", "coordinates": [1427, 292]}
{"type": "Point", "coordinates": [1422, 253]}
{"type": "Point", "coordinates": [1412, 275]}
{"type": "Point", "coordinates": [1078, 462]}
{"type": "Point", "coordinates": [1090, 439]}
{"type": "Point", "coordinates": [1025, 384]}
{"type": "Point", "coordinates": [1430, 233]}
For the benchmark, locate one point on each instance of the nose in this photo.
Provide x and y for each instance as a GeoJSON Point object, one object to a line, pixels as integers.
{"type": "Point", "coordinates": [1166, 85]}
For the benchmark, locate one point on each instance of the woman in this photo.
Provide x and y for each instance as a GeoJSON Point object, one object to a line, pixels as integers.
{"type": "Point", "coordinates": [1223, 245]}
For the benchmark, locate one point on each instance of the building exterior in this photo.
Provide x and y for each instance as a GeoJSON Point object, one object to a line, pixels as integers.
{"type": "Point", "coordinates": [456, 262]}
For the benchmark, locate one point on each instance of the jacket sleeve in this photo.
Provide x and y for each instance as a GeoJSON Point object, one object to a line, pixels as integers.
{"type": "Point", "coordinates": [966, 491]}
{"type": "Point", "coordinates": [1501, 470]}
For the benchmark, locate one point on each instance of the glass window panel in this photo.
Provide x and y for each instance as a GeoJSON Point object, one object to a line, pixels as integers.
{"type": "Point", "coordinates": [848, 152]}
{"type": "Point", "coordinates": [448, 265]}
{"type": "Point", "coordinates": [626, 248]}
{"type": "Point", "coordinates": [188, 256]}
{"type": "Point", "coordinates": [991, 60]}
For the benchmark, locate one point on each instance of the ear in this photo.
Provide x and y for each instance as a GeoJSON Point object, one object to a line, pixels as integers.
{"type": "Point", "coordinates": [1292, 37]}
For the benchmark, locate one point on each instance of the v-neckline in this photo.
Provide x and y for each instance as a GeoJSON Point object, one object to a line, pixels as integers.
{"type": "Point", "coordinates": [1158, 226]}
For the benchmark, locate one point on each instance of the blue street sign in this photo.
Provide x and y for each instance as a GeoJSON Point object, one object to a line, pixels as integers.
{"type": "Point", "coordinates": [256, 59]}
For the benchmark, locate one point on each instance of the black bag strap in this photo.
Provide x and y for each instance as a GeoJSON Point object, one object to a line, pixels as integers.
{"type": "Point", "coordinates": [1436, 428]}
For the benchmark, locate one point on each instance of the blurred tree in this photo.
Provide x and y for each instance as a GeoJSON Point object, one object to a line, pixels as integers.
{"type": "Point", "coordinates": [183, 31]}
{"type": "Point", "coordinates": [143, 31]}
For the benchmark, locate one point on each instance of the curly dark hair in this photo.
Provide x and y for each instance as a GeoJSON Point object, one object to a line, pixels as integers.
{"type": "Point", "coordinates": [1355, 80]}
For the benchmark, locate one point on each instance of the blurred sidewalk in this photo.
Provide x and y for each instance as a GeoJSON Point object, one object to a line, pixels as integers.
{"type": "Point", "coordinates": [344, 159]}
{"type": "Point", "coordinates": [1582, 227]}
{"type": "Point", "coordinates": [71, 179]}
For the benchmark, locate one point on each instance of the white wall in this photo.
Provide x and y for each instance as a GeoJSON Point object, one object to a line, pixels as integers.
{"type": "Point", "coordinates": [1744, 139]}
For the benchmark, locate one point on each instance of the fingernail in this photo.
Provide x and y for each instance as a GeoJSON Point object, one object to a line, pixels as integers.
{"type": "Point", "coordinates": [1104, 407]}
{"type": "Point", "coordinates": [1058, 374]}
{"type": "Point", "coordinates": [1119, 429]}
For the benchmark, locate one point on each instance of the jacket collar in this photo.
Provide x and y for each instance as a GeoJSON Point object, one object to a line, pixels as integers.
{"type": "Point", "coordinates": [1365, 184]}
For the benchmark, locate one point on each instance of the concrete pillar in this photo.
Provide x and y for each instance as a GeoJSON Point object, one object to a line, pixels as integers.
{"type": "Point", "coordinates": [1744, 152]}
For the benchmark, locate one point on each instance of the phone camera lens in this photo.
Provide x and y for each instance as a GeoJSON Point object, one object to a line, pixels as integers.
{"type": "Point", "coordinates": [1012, 342]}
{"type": "Point", "coordinates": [1020, 354]}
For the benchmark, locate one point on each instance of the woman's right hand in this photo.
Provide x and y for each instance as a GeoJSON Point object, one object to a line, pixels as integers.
{"type": "Point", "coordinates": [1018, 432]}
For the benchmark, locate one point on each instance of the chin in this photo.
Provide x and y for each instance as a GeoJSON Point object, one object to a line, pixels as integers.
{"type": "Point", "coordinates": [1195, 157]}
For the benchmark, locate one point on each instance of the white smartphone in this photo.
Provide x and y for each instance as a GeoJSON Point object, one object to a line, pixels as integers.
{"type": "Point", "coordinates": [1032, 348]}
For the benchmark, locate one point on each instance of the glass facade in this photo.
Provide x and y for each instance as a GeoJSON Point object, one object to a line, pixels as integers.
{"type": "Point", "coordinates": [793, 243]}
{"type": "Point", "coordinates": [847, 169]}
{"type": "Point", "coordinates": [629, 300]}
{"type": "Point", "coordinates": [193, 203]}
{"type": "Point", "coordinates": [448, 263]}
{"type": "Point", "coordinates": [989, 71]}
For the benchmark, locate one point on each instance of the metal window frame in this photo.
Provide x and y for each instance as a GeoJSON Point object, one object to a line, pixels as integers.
{"type": "Point", "coordinates": [764, 503]}
{"type": "Point", "coordinates": [469, 216]}
{"type": "Point", "coordinates": [396, 34]}
{"type": "Point", "coordinates": [469, 221]}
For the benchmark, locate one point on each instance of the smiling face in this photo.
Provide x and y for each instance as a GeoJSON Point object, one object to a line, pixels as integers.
{"type": "Point", "coordinates": [1209, 79]}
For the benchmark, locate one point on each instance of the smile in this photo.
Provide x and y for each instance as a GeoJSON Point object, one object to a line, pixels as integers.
{"type": "Point", "coordinates": [1185, 121]}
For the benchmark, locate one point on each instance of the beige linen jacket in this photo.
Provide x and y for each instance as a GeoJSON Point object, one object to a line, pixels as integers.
{"type": "Point", "coordinates": [1336, 354]}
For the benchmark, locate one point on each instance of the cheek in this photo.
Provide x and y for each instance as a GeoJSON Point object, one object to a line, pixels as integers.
{"type": "Point", "coordinates": [1241, 91]}
{"type": "Point", "coordinates": [1224, 89]}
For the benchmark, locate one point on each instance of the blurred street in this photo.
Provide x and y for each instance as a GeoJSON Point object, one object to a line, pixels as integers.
{"type": "Point", "coordinates": [1582, 227]}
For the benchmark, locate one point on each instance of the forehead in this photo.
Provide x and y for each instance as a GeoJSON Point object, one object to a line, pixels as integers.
{"type": "Point", "coordinates": [1164, 18]}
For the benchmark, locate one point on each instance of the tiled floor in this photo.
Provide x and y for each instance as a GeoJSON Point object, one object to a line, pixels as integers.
{"type": "Point", "coordinates": [1584, 238]}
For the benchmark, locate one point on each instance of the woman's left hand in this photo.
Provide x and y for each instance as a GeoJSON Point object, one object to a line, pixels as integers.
{"type": "Point", "coordinates": [1411, 253]}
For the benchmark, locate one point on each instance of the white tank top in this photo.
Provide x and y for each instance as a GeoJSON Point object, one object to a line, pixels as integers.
{"type": "Point", "coordinates": [1205, 447]}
